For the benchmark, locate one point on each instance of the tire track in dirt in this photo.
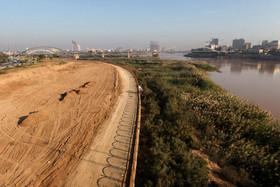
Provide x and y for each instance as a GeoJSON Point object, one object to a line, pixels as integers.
{"type": "Point", "coordinates": [57, 143]}
{"type": "Point", "coordinates": [106, 159]}
{"type": "Point", "coordinates": [48, 178]}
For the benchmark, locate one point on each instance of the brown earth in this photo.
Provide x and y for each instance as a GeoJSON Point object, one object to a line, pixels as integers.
{"type": "Point", "coordinates": [106, 161]}
{"type": "Point", "coordinates": [215, 175]}
{"type": "Point", "coordinates": [48, 119]}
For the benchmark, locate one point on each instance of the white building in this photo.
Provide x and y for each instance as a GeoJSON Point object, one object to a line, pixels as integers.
{"type": "Point", "coordinates": [275, 44]}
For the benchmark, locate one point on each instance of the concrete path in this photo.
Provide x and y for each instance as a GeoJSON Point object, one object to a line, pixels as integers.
{"type": "Point", "coordinates": [106, 162]}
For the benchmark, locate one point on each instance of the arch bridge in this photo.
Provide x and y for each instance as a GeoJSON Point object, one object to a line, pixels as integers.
{"type": "Point", "coordinates": [42, 50]}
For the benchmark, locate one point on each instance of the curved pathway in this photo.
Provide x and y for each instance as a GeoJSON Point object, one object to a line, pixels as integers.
{"type": "Point", "coordinates": [107, 160]}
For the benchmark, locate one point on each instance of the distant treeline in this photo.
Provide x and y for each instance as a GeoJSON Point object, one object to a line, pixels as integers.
{"type": "Point", "coordinates": [179, 101]}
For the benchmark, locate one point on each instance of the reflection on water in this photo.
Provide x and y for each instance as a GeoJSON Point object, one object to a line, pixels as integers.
{"type": "Point", "coordinates": [255, 80]}
{"type": "Point", "coordinates": [174, 56]}
{"type": "Point", "coordinates": [239, 65]}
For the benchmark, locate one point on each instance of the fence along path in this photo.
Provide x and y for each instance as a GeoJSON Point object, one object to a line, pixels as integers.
{"type": "Point", "coordinates": [112, 157]}
{"type": "Point", "coordinates": [117, 171]}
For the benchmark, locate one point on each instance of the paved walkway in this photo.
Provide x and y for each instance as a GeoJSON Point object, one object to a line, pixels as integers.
{"type": "Point", "coordinates": [107, 159]}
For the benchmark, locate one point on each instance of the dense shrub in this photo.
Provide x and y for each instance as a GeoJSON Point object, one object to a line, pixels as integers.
{"type": "Point", "coordinates": [243, 134]}
{"type": "Point", "coordinates": [166, 136]}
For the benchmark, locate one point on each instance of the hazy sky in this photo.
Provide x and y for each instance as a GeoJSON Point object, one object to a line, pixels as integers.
{"type": "Point", "coordinates": [131, 24]}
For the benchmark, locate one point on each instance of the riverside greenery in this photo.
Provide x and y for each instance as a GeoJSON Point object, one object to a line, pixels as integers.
{"type": "Point", "coordinates": [179, 101]}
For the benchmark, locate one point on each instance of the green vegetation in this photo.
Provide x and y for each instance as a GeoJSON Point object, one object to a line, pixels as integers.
{"type": "Point", "coordinates": [167, 139]}
{"type": "Point", "coordinates": [178, 100]}
{"type": "Point", "coordinates": [55, 56]}
{"type": "Point", "coordinates": [41, 57]}
{"type": "Point", "coordinates": [238, 134]}
{"type": "Point", "coordinates": [3, 58]}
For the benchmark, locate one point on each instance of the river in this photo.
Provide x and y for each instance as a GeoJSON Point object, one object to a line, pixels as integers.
{"type": "Point", "coordinates": [258, 81]}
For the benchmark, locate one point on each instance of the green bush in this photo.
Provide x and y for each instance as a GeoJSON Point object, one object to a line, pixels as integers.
{"type": "Point", "coordinates": [166, 139]}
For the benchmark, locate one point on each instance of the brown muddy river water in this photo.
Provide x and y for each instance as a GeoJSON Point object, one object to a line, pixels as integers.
{"type": "Point", "coordinates": [258, 81]}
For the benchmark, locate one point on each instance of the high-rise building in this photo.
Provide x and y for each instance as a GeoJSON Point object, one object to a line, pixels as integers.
{"type": "Point", "coordinates": [154, 46]}
{"type": "Point", "coordinates": [238, 43]}
{"type": "Point", "coordinates": [275, 44]}
{"type": "Point", "coordinates": [215, 41]}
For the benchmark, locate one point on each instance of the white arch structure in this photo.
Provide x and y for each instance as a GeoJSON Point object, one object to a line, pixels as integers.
{"type": "Point", "coordinates": [47, 49]}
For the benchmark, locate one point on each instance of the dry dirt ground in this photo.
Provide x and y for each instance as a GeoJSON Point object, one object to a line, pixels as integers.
{"type": "Point", "coordinates": [49, 117]}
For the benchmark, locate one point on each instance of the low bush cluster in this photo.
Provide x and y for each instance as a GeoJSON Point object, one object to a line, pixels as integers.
{"type": "Point", "coordinates": [242, 134]}
{"type": "Point", "coordinates": [166, 140]}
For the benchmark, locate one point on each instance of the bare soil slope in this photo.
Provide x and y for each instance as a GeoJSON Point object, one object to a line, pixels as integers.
{"type": "Point", "coordinates": [107, 160]}
{"type": "Point", "coordinates": [48, 118]}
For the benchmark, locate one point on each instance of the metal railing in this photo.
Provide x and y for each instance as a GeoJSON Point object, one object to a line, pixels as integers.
{"type": "Point", "coordinates": [131, 170]}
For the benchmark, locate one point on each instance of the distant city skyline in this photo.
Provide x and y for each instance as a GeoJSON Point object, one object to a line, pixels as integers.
{"type": "Point", "coordinates": [127, 24]}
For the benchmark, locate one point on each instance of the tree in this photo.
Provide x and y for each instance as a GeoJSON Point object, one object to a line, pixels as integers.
{"type": "Point", "coordinates": [3, 58]}
{"type": "Point", "coordinates": [55, 56]}
{"type": "Point", "coordinates": [41, 57]}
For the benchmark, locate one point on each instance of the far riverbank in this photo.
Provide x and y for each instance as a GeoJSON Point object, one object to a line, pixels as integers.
{"type": "Point", "coordinates": [218, 55]}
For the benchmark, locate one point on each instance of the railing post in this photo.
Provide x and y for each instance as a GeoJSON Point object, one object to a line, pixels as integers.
{"type": "Point", "coordinates": [134, 151]}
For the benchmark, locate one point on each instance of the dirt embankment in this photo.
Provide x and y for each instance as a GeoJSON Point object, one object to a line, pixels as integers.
{"type": "Point", "coordinates": [48, 119]}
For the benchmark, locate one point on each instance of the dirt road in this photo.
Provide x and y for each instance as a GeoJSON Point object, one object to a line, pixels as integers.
{"type": "Point", "coordinates": [54, 128]}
